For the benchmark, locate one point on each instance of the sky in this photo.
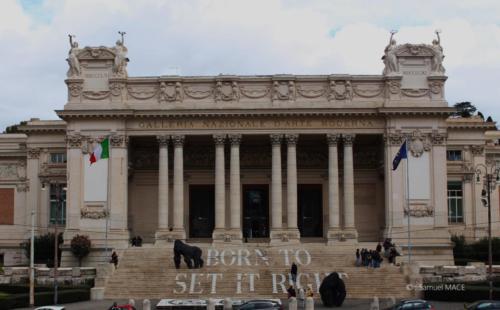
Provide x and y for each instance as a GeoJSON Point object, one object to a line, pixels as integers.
{"type": "Point", "coordinates": [209, 37]}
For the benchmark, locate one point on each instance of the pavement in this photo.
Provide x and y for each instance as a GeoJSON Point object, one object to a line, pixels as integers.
{"type": "Point", "coordinates": [353, 304]}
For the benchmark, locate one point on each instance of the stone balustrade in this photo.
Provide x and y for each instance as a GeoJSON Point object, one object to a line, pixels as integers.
{"type": "Point", "coordinates": [45, 276]}
{"type": "Point", "coordinates": [457, 274]}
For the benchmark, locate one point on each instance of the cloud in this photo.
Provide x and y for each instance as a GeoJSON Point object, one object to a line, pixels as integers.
{"type": "Point", "coordinates": [207, 37]}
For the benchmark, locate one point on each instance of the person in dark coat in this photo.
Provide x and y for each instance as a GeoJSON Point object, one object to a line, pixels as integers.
{"type": "Point", "coordinates": [332, 290]}
{"type": "Point", "coordinates": [358, 258]}
{"type": "Point", "coordinates": [291, 292]}
{"type": "Point", "coordinates": [114, 259]}
{"type": "Point", "coordinates": [293, 272]}
{"type": "Point", "coordinates": [379, 247]}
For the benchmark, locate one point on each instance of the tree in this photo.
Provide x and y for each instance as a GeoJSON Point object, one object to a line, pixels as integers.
{"type": "Point", "coordinates": [464, 109]}
{"type": "Point", "coordinates": [489, 119]}
{"type": "Point", "coordinates": [80, 247]}
{"type": "Point", "coordinates": [44, 248]}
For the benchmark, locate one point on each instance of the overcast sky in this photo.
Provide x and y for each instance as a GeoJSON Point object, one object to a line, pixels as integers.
{"type": "Point", "coordinates": [208, 37]}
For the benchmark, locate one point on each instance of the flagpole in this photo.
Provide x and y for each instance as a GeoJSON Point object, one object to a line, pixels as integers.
{"type": "Point", "coordinates": [408, 199]}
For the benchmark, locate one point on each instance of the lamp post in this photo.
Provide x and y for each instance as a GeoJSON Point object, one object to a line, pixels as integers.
{"type": "Point", "coordinates": [490, 171]}
{"type": "Point", "coordinates": [32, 255]}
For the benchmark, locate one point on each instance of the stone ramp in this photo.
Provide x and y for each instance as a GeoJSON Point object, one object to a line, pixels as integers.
{"type": "Point", "coordinates": [247, 271]}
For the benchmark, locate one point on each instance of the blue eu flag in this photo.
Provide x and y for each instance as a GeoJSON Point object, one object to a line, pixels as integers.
{"type": "Point", "coordinates": [400, 155]}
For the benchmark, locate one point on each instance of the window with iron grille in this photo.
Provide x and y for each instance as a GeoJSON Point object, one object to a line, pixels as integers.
{"type": "Point", "coordinates": [455, 202]}
{"type": "Point", "coordinates": [55, 212]}
{"type": "Point", "coordinates": [453, 155]}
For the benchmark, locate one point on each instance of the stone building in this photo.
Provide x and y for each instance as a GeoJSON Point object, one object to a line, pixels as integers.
{"type": "Point", "coordinates": [278, 159]}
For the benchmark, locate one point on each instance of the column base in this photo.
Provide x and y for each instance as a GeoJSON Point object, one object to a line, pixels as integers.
{"type": "Point", "coordinates": [169, 236]}
{"type": "Point", "coordinates": [232, 235]}
{"type": "Point", "coordinates": [349, 233]}
{"type": "Point", "coordinates": [288, 236]}
{"type": "Point", "coordinates": [334, 235]}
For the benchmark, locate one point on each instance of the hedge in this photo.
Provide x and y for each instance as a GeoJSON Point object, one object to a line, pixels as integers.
{"type": "Point", "coordinates": [43, 298]}
{"type": "Point", "coordinates": [471, 293]}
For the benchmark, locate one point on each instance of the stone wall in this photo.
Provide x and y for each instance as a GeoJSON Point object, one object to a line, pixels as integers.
{"type": "Point", "coordinates": [45, 276]}
{"type": "Point", "coordinates": [457, 274]}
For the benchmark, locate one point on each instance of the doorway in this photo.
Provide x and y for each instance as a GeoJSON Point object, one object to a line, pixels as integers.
{"type": "Point", "coordinates": [201, 211]}
{"type": "Point", "coordinates": [255, 211]}
{"type": "Point", "coordinates": [310, 210]}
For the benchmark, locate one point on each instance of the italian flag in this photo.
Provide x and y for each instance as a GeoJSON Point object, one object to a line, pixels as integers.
{"type": "Point", "coordinates": [100, 151]}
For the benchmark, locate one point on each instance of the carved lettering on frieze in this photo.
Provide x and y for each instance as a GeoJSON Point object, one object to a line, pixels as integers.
{"type": "Point", "coordinates": [170, 92]}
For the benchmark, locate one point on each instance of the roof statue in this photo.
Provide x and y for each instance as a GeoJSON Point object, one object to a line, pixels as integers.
{"type": "Point", "coordinates": [120, 63]}
{"type": "Point", "coordinates": [73, 62]}
{"type": "Point", "coordinates": [389, 58]}
{"type": "Point", "coordinates": [437, 60]}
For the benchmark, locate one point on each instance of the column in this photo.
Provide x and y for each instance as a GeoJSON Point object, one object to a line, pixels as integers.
{"type": "Point", "coordinates": [349, 227]}
{"type": "Point", "coordinates": [333, 187]}
{"type": "Point", "coordinates": [235, 186]}
{"type": "Point", "coordinates": [291, 185]}
{"type": "Point", "coordinates": [178, 198]}
{"type": "Point", "coordinates": [118, 185]}
{"type": "Point", "coordinates": [440, 184]}
{"type": "Point", "coordinates": [162, 184]}
{"type": "Point", "coordinates": [276, 190]}
{"type": "Point", "coordinates": [220, 188]}
{"type": "Point", "coordinates": [33, 190]}
{"type": "Point", "coordinates": [74, 186]}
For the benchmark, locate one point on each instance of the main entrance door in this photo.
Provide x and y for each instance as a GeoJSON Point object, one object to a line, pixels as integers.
{"type": "Point", "coordinates": [310, 208]}
{"type": "Point", "coordinates": [255, 211]}
{"type": "Point", "coordinates": [201, 211]}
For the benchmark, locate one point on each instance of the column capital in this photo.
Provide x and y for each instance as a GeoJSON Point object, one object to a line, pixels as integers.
{"type": "Point", "coordinates": [33, 153]}
{"type": "Point", "coordinates": [292, 139]}
{"type": "Point", "coordinates": [276, 138]}
{"type": "Point", "coordinates": [163, 140]}
{"type": "Point", "coordinates": [178, 140]}
{"type": "Point", "coordinates": [348, 139]}
{"type": "Point", "coordinates": [333, 138]}
{"type": "Point", "coordinates": [219, 139]}
{"type": "Point", "coordinates": [74, 141]}
{"type": "Point", "coordinates": [118, 141]}
{"type": "Point", "coordinates": [235, 139]}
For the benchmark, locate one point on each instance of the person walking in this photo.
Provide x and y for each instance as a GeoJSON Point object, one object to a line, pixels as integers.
{"type": "Point", "coordinates": [302, 297]}
{"type": "Point", "coordinates": [114, 259]}
{"type": "Point", "coordinates": [291, 292]}
{"type": "Point", "coordinates": [293, 272]}
{"type": "Point", "coordinates": [309, 292]}
{"type": "Point", "coordinates": [358, 258]}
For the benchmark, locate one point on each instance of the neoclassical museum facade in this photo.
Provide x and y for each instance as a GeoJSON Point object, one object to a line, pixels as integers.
{"type": "Point", "coordinates": [276, 159]}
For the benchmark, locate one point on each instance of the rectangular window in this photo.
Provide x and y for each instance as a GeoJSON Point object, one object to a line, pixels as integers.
{"type": "Point", "coordinates": [57, 213]}
{"type": "Point", "coordinates": [57, 158]}
{"type": "Point", "coordinates": [454, 155]}
{"type": "Point", "coordinates": [455, 202]}
{"type": "Point", "coordinates": [6, 206]}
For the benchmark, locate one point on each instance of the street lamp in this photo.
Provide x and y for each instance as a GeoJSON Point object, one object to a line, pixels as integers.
{"type": "Point", "coordinates": [490, 171]}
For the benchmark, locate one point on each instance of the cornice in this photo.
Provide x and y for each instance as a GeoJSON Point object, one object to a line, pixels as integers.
{"type": "Point", "coordinates": [417, 111]}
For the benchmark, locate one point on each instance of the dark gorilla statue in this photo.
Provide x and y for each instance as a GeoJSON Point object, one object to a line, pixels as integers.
{"type": "Point", "coordinates": [332, 290]}
{"type": "Point", "coordinates": [192, 255]}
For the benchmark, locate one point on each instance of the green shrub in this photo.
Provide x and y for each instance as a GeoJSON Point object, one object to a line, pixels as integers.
{"type": "Point", "coordinates": [80, 247]}
{"type": "Point", "coordinates": [464, 252]}
{"type": "Point", "coordinates": [44, 248]}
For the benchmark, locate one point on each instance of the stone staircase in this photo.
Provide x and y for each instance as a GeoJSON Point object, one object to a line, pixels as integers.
{"type": "Point", "coordinates": [247, 271]}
